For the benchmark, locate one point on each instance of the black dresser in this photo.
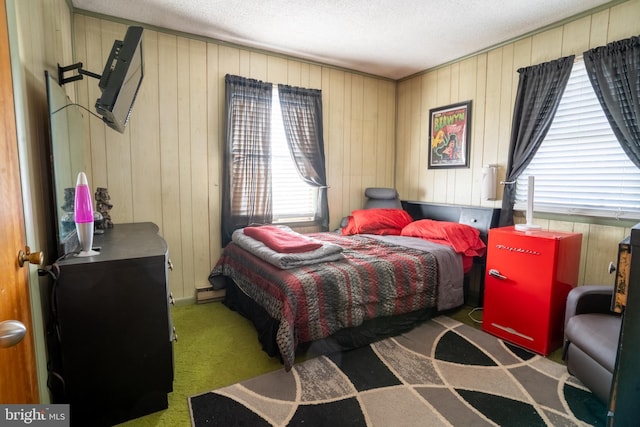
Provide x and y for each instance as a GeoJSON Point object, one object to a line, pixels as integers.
{"type": "Point", "coordinates": [114, 334]}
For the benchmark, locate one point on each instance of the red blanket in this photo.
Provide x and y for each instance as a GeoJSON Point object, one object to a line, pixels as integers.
{"type": "Point", "coordinates": [283, 241]}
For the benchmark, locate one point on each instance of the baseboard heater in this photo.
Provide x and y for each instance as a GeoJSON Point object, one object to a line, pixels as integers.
{"type": "Point", "coordinates": [208, 294]}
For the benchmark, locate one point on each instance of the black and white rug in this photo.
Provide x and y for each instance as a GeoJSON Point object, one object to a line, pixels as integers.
{"type": "Point", "coordinates": [440, 373]}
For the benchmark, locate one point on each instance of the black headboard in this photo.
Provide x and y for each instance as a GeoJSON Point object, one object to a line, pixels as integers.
{"type": "Point", "coordinates": [478, 217]}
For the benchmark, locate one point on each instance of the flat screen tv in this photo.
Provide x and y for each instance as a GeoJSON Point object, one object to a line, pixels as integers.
{"type": "Point", "coordinates": [121, 79]}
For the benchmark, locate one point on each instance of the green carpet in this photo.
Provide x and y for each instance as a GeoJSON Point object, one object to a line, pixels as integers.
{"type": "Point", "coordinates": [217, 347]}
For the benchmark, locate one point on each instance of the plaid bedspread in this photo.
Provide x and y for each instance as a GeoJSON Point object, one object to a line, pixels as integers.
{"type": "Point", "coordinates": [312, 302]}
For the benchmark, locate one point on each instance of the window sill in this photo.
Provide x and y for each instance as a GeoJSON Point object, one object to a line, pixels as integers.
{"type": "Point", "coordinates": [301, 226]}
{"type": "Point", "coordinates": [580, 218]}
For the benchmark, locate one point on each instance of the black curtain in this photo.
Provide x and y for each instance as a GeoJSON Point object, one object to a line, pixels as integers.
{"type": "Point", "coordinates": [540, 89]}
{"type": "Point", "coordinates": [246, 185]}
{"type": "Point", "coordinates": [614, 72]}
{"type": "Point", "coordinates": [302, 117]}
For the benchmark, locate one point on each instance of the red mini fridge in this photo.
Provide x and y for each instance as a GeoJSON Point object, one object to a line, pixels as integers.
{"type": "Point", "coordinates": [528, 276]}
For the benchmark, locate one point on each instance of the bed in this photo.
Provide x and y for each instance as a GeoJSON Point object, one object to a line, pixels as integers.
{"type": "Point", "coordinates": [381, 284]}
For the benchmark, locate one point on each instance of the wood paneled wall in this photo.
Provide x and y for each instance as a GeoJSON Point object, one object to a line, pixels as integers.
{"type": "Point", "coordinates": [490, 80]}
{"type": "Point", "coordinates": [166, 167]}
{"type": "Point", "coordinates": [43, 40]}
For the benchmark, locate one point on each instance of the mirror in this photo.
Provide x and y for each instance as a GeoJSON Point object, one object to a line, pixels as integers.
{"type": "Point", "coordinates": [67, 159]}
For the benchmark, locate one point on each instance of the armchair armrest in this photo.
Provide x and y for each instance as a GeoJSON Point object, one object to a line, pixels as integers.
{"type": "Point", "coordinates": [588, 299]}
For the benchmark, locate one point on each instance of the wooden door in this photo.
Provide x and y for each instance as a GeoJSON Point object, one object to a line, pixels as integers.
{"type": "Point", "coordinates": [18, 381]}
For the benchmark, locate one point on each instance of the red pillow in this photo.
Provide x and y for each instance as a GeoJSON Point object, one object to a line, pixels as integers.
{"type": "Point", "coordinates": [350, 228]}
{"type": "Point", "coordinates": [377, 221]}
{"type": "Point", "coordinates": [464, 239]}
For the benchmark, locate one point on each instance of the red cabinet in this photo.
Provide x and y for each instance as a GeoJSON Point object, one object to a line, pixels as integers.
{"type": "Point", "coordinates": [528, 277]}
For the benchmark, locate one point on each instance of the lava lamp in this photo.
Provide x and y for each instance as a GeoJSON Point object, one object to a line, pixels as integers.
{"type": "Point", "coordinates": [83, 216]}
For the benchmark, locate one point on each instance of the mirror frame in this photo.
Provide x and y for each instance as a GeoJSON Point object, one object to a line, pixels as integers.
{"type": "Point", "coordinates": [66, 135]}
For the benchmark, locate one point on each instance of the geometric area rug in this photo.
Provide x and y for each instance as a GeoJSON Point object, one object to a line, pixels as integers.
{"type": "Point", "coordinates": [441, 373]}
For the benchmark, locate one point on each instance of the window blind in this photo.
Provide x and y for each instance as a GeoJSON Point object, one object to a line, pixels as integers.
{"type": "Point", "coordinates": [293, 199]}
{"type": "Point", "coordinates": [580, 167]}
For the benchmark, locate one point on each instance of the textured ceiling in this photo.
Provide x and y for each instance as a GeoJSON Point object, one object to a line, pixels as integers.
{"type": "Point", "coordinates": [389, 38]}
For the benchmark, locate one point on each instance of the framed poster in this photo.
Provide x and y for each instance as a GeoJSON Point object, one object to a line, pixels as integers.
{"type": "Point", "coordinates": [449, 135]}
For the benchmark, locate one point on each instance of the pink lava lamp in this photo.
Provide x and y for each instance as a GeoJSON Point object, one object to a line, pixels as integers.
{"type": "Point", "coordinates": [84, 216]}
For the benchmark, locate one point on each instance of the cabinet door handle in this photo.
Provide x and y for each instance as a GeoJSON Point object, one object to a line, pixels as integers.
{"type": "Point", "coordinates": [495, 273]}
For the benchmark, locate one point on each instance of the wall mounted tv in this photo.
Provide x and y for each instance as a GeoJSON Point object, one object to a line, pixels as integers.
{"type": "Point", "coordinates": [121, 79]}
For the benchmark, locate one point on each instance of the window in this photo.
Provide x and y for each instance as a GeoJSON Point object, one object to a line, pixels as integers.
{"type": "Point", "coordinates": [580, 167]}
{"type": "Point", "coordinates": [262, 182]}
{"type": "Point", "coordinates": [293, 199]}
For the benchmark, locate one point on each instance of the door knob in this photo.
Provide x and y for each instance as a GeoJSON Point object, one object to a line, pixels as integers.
{"type": "Point", "coordinates": [34, 258]}
{"type": "Point", "coordinates": [11, 333]}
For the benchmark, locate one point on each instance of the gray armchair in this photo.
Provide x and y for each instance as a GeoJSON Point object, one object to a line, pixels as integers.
{"type": "Point", "coordinates": [378, 197]}
{"type": "Point", "coordinates": [591, 334]}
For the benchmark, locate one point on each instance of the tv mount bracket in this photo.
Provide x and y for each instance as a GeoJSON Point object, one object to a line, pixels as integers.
{"type": "Point", "coordinates": [77, 66]}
